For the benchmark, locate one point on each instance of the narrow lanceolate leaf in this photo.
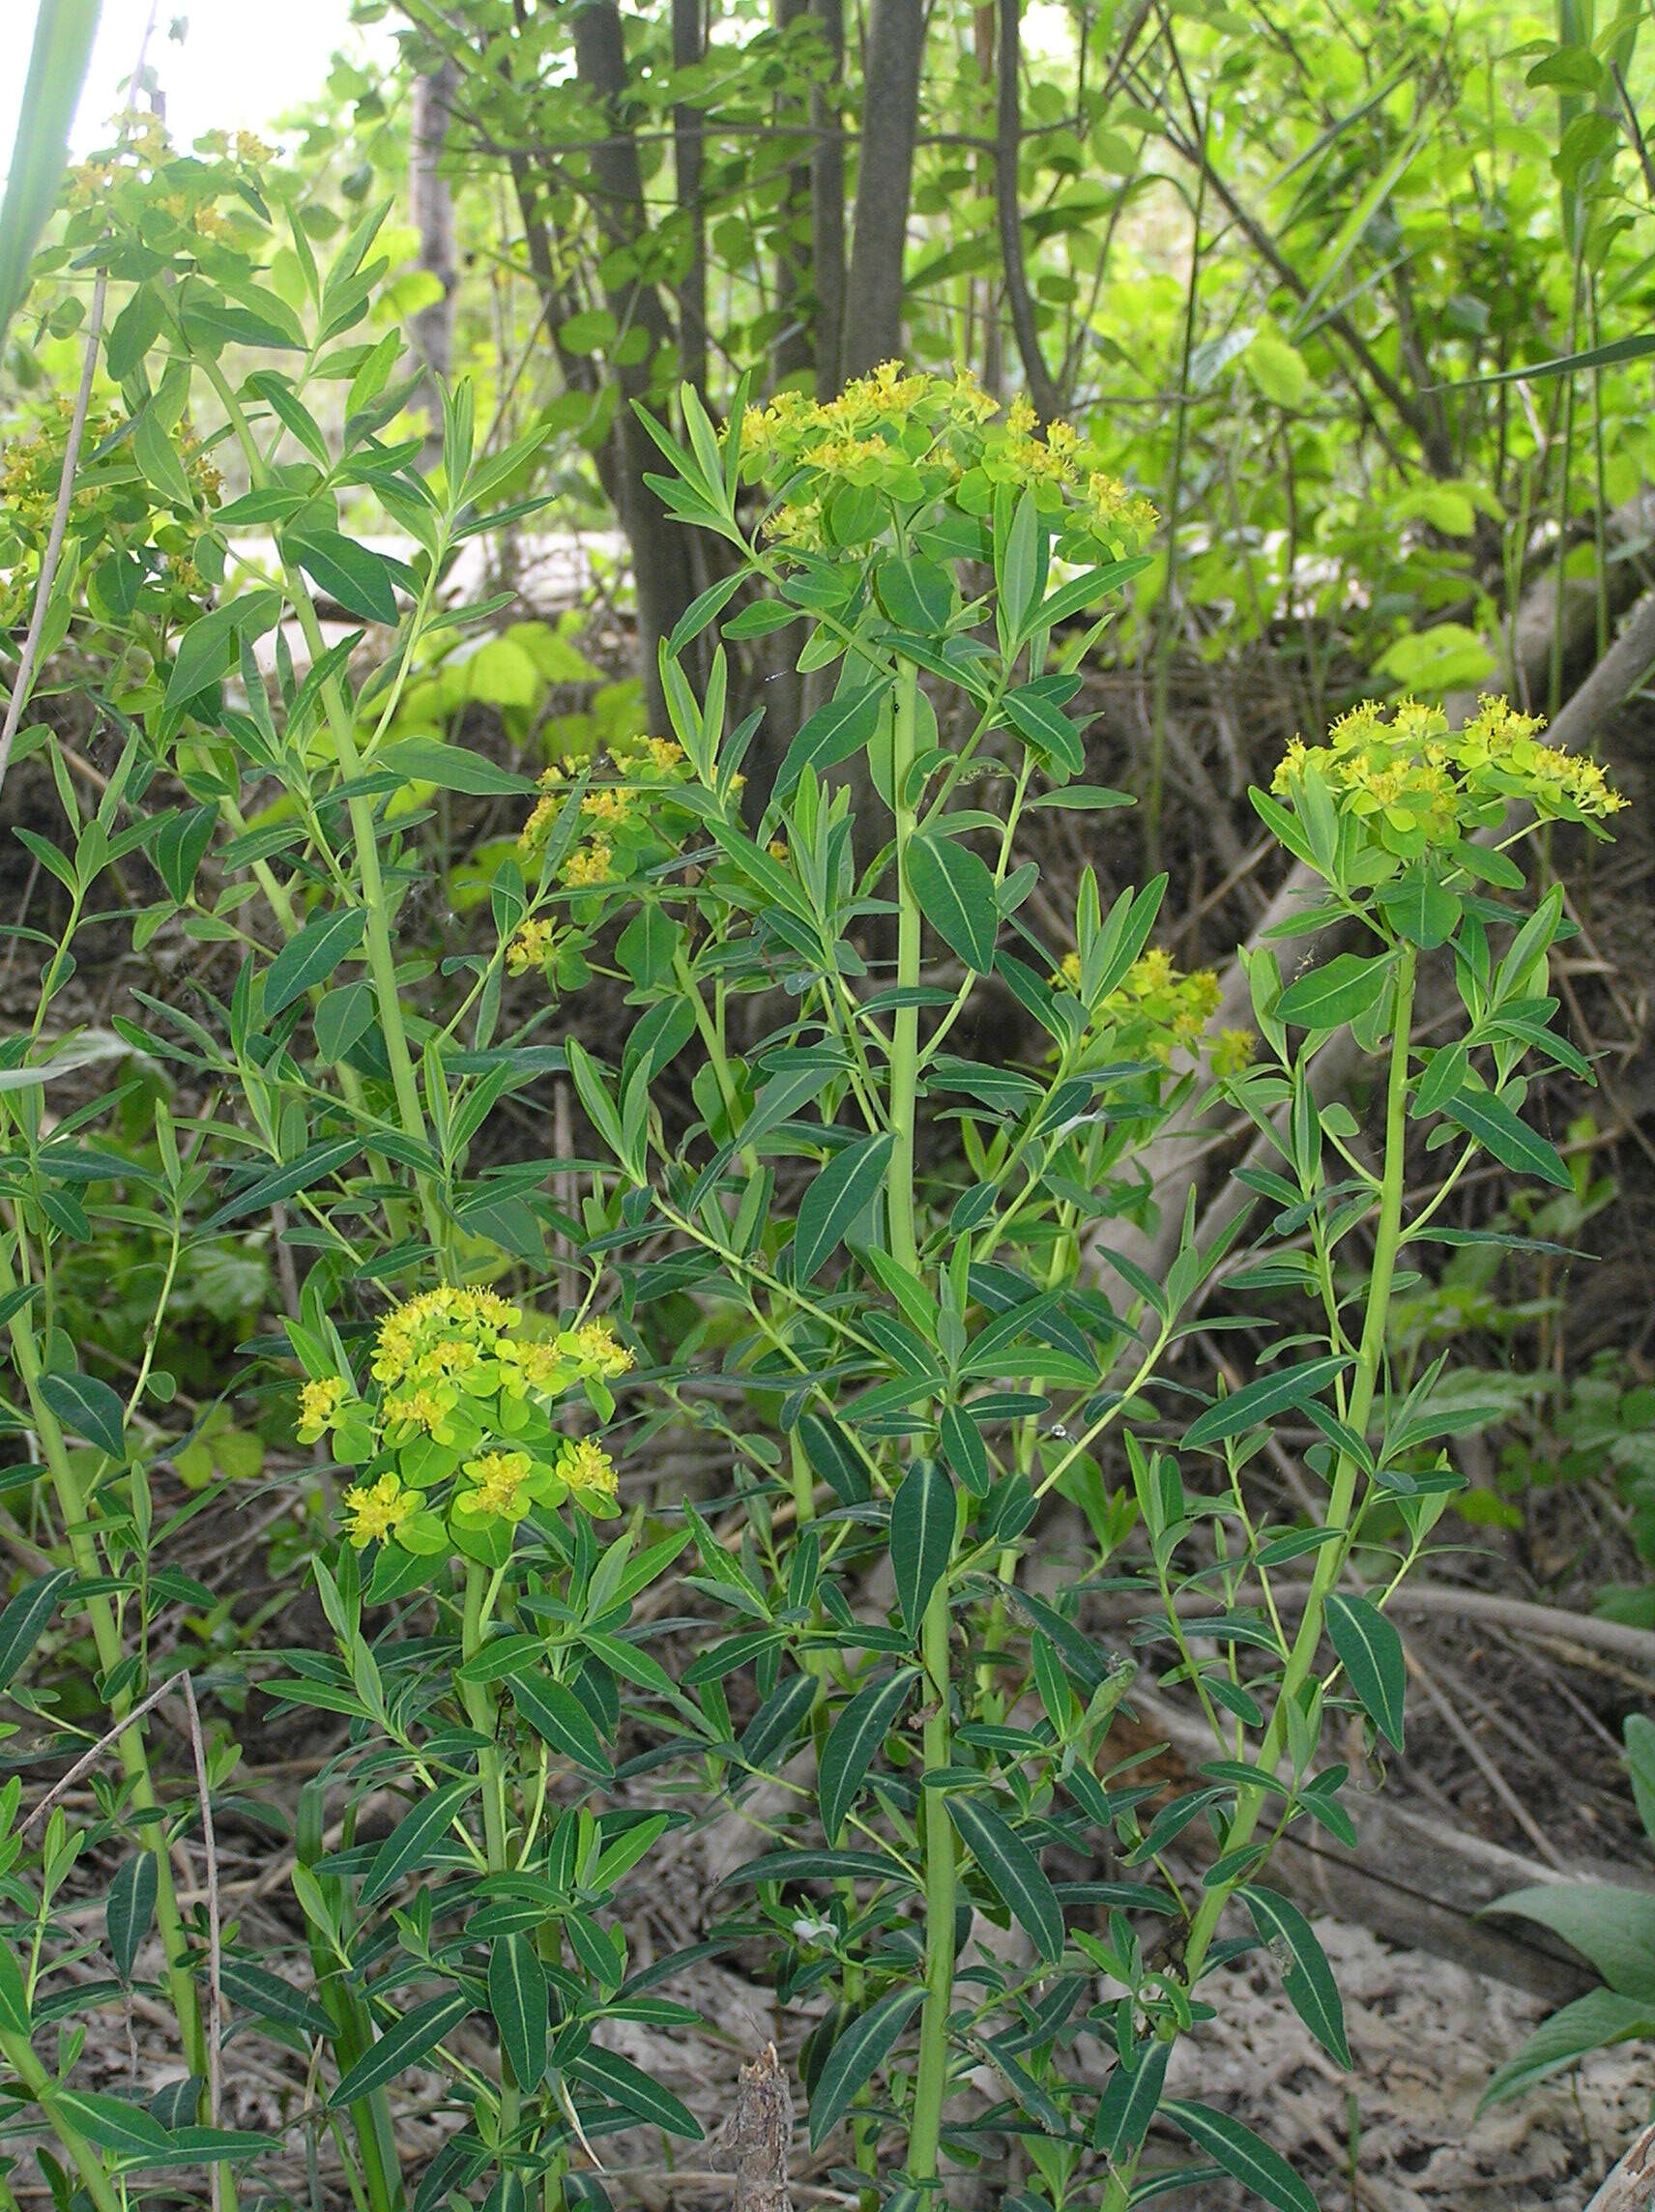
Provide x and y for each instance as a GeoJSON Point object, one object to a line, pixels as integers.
{"type": "Point", "coordinates": [517, 2000]}
{"type": "Point", "coordinates": [558, 1716]}
{"type": "Point", "coordinates": [130, 1909]}
{"type": "Point", "coordinates": [89, 1409]}
{"type": "Point", "coordinates": [404, 1850]}
{"type": "Point", "coordinates": [1369, 1651]}
{"type": "Point", "coordinates": [312, 955]}
{"type": "Point", "coordinates": [14, 1993]}
{"type": "Point", "coordinates": [955, 891]}
{"type": "Point", "coordinates": [24, 1619]}
{"type": "Point", "coordinates": [1335, 993]}
{"type": "Point", "coordinates": [1239, 2151]}
{"type": "Point", "coordinates": [1018, 1878]}
{"type": "Point", "coordinates": [1130, 2101]}
{"type": "Point", "coordinates": [921, 1537]}
{"type": "Point", "coordinates": [852, 2061]}
{"type": "Point", "coordinates": [311, 1165]}
{"type": "Point", "coordinates": [1306, 1975]}
{"type": "Point", "coordinates": [854, 1741]}
{"type": "Point", "coordinates": [843, 1191]}
{"type": "Point", "coordinates": [415, 2036]}
{"type": "Point", "coordinates": [832, 733]}
{"type": "Point", "coordinates": [629, 2085]}
{"type": "Point", "coordinates": [1513, 1143]}
{"type": "Point", "coordinates": [1257, 1402]}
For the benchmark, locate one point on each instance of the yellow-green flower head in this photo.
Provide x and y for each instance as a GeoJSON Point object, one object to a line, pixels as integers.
{"type": "Point", "coordinates": [590, 1474]}
{"type": "Point", "coordinates": [319, 1404]}
{"type": "Point", "coordinates": [377, 1510]}
{"type": "Point", "coordinates": [589, 865]}
{"type": "Point", "coordinates": [600, 1350]}
{"type": "Point", "coordinates": [495, 1486]}
{"type": "Point", "coordinates": [1233, 1051]}
{"type": "Point", "coordinates": [1155, 1009]}
{"type": "Point", "coordinates": [440, 1334]}
{"type": "Point", "coordinates": [914, 437]}
{"type": "Point", "coordinates": [1416, 785]}
{"type": "Point", "coordinates": [531, 946]}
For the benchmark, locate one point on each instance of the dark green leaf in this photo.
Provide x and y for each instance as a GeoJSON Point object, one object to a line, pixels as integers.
{"type": "Point", "coordinates": [130, 1909]}
{"type": "Point", "coordinates": [405, 1850]}
{"type": "Point", "coordinates": [452, 768]}
{"type": "Point", "coordinates": [1257, 1401]}
{"type": "Point", "coordinates": [1129, 2102]}
{"type": "Point", "coordinates": [629, 2085]}
{"type": "Point", "coordinates": [25, 1618]}
{"type": "Point", "coordinates": [211, 644]}
{"type": "Point", "coordinates": [832, 733]}
{"type": "Point", "coordinates": [1306, 1975]}
{"type": "Point", "coordinates": [517, 2000]}
{"type": "Point", "coordinates": [859, 2050]}
{"type": "Point", "coordinates": [955, 891]}
{"type": "Point", "coordinates": [853, 1742]}
{"type": "Point", "coordinates": [922, 1517]}
{"type": "Point", "coordinates": [1016, 1875]}
{"type": "Point", "coordinates": [88, 1409]}
{"type": "Point", "coordinates": [1239, 2151]}
{"type": "Point", "coordinates": [413, 2037]}
{"type": "Point", "coordinates": [353, 574]}
{"type": "Point", "coordinates": [1336, 992]}
{"type": "Point", "coordinates": [560, 1719]}
{"type": "Point", "coordinates": [1513, 1143]}
{"type": "Point", "coordinates": [835, 1199]}
{"type": "Point", "coordinates": [312, 956]}
{"type": "Point", "coordinates": [1369, 1650]}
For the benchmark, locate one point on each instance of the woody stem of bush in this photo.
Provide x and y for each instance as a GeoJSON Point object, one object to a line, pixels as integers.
{"type": "Point", "coordinates": [1330, 1559]}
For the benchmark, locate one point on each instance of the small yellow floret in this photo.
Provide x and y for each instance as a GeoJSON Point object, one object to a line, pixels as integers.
{"type": "Point", "coordinates": [378, 1510]}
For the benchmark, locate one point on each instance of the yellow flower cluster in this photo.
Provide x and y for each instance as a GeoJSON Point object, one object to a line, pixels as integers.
{"type": "Point", "coordinates": [466, 1395]}
{"type": "Point", "coordinates": [1157, 1008]}
{"type": "Point", "coordinates": [618, 817]}
{"type": "Point", "coordinates": [589, 1472]}
{"type": "Point", "coordinates": [531, 946]}
{"type": "Point", "coordinates": [442, 1332]}
{"type": "Point", "coordinates": [319, 1404]}
{"type": "Point", "coordinates": [913, 438]}
{"type": "Point", "coordinates": [1415, 784]}
{"type": "Point", "coordinates": [377, 1510]}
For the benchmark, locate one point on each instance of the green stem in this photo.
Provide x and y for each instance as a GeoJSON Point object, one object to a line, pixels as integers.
{"type": "Point", "coordinates": [482, 1710]}
{"type": "Point", "coordinates": [20, 2057]}
{"type": "Point", "coordinates": [1330, 1559]}
{"type": "Point", "coordinates": [904, 1031]}
{"type": "Point", "coordinates": [931, 2081]}
{"type": "Point", "coordinates": [130, 1745]}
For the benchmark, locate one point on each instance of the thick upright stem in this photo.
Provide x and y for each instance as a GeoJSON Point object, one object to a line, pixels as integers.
{"type": "Point", "coordinates": [904, 1034]}
{"type": "Point", "coordinates": [1330, 1559]}
{"type": "Point", "coordinates": [931, 2082]}
{"type": "Point", "coordinates": [932, 2078]}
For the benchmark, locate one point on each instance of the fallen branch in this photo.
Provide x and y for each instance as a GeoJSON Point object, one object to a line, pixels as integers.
{"type": "Point", "coordinates": [761, 2129]}
{"type": "Point", "coordinates": [1631, 2186]}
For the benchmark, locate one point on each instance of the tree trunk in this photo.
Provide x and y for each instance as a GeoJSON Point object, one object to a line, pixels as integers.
{"type": "Point", "coordinates": [689, 44]}
{"type": "Point", "coordinates": [793, 350]}
{"type": "Point", "coordinates": [662, 571]}
{"type": "Point", "coordinates": [1008, 143]}
{"type": "Point", "coordinates": [827, 202]}
{"type": "Point", "coordinates": [431, 203]}
{"type": "Point", "coordinates": [884, 183]}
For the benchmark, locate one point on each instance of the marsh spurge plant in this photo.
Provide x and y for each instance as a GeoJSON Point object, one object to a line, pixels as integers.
{"type": "Point", "coordinates": [875, 1269]}
{"type": "Point", "coordinates": [902, 1253]}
